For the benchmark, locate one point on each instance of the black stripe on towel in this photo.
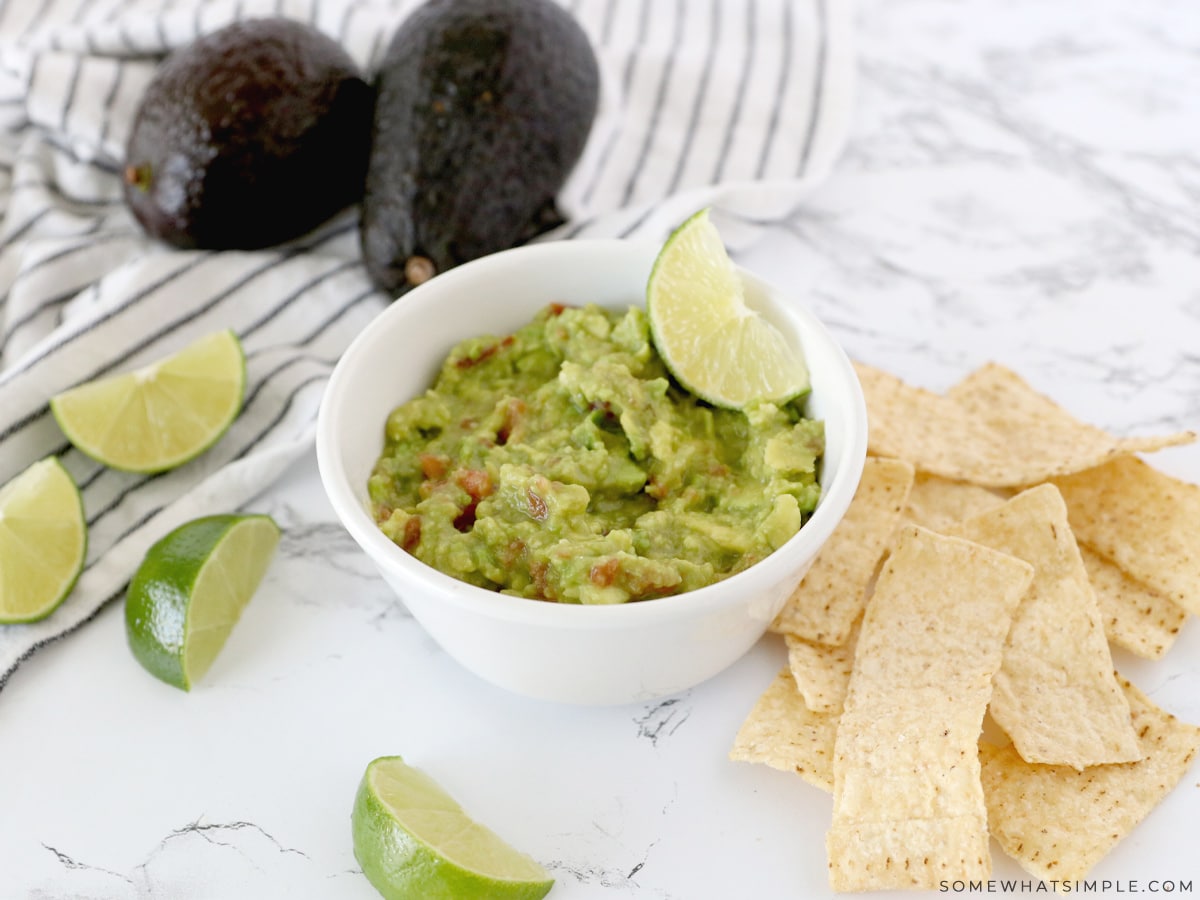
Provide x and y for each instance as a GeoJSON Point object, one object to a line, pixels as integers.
{"type": "Point", "coordinates": [91, 240]}
{"type": "Point", "coordinates": [660, 99]}
{"type": "Point", "coordinates": [818, 85]}
{"type": "Point", "coordinates": [689, 137]}
{"type": "Point", "coordinates": [740, 96]}
{"type": "Point", "coordinates": [785, 69]}
{"type": "Point", "coordinates": [626, 85]}
{"type": "Point", "coordinates": [109, 99]}
{"type": "Point", "coordinates": [44, 305]}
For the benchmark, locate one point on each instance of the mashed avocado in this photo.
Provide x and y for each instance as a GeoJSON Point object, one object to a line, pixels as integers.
{"type": "Point", "coordinates": [563, 463]}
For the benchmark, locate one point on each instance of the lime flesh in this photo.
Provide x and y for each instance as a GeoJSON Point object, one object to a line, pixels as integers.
{"type": "Point", "coordinates": [414, 841]}
{"type": "Point", "coordinates": [162, 415]}
{"type": "Point", "coordinates": [43, 541]}
{"type": "Point", "coordinates": [713, 342]}
{"type": "Point", "coordinates": [190, 591]}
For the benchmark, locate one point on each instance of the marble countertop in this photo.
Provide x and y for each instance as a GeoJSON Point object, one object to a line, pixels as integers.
{"type": "Point", "coordinates": [1022, 185]}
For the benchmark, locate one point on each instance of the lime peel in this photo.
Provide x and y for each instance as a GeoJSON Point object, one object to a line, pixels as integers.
{"type": "Point", "coordinates": [190, 591]}
{"type": "Point", "coordinates": [414, 841]}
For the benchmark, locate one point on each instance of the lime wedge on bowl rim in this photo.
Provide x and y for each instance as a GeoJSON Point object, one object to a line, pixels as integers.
{"type": "Point", "coordinates": [43, 541]}
{"type": "Point", "coordinates": [190, 591]}
{"type": "Point", "coordinates": [713, 342]}
{"type": "Point", "coordinates": [414, 841]}
{"type": "Point", "coordinates": [161, 415]}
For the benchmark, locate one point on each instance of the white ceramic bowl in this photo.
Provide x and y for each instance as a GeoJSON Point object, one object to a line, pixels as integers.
{"type": "Point", "coordinates": [575, 654]}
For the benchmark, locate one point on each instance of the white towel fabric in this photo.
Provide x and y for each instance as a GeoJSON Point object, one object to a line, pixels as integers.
{"type": "Point", "coordinates": [739, 104]}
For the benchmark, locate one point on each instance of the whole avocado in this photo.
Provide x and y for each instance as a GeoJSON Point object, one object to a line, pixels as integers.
{"type": "Point", "coordinates": [483, 108]}
{"type": "Point", "coordinates": [249, 136]}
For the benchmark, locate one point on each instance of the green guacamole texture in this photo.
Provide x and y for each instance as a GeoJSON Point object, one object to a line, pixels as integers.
{"type": "Point", "coordinates": [563, 463]}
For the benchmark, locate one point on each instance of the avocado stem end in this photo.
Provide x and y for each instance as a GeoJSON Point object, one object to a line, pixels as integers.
{"type": "Point", "coordinates": [418, 270]}
{"type": "Point", "coordinates": [138, 176]}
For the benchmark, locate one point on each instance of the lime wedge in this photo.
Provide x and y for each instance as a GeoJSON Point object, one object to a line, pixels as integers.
{"type": "Point", "coordinates": [190, 591]}
{"type": "Point", "coordinates": [415, 843]}
{"type": "Point", "coordinates": [161, 415]}
{"type": "Point", "coordinates": [715, 345]}
{"type": "Point", "coordinates": [43, 541]}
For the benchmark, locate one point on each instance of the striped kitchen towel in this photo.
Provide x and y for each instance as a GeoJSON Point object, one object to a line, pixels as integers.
{"type": "Point", "coordinates": [739, 104]}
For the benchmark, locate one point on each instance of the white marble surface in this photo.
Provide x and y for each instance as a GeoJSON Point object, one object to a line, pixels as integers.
{"type": "Point", "coordinates": [1023, 184]}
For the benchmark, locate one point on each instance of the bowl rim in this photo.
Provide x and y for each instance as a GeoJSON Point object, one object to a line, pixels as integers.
{"type": "Point", "coordinates": [386, 555]}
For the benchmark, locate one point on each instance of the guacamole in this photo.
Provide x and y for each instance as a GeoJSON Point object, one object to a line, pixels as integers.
{"type": "Point", "coordinates": [562, 463]}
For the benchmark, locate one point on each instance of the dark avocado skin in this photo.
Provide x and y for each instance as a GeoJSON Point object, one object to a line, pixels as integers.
{"type": "Point", "coordinates": [248, 137]}
{"type": "Point", "coordinates": [483, 108]}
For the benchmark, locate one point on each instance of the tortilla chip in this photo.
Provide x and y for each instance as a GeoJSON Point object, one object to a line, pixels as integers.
{"type": "Point", "coordinates": [939, 504]}
{"type": "Point", "coordinates": [908, 854]}
{"type": "Point", "coordinates": [908, 807]}
{"type": "Point", "coordinates": [822, 673]}
{"type": "Point", "coordinates": [1001, 397]}
{"type": "Point", "coordinates": [1144, 521]}
{"type": "Point", "coordinates": [832, 595]}
{"type": "Point", "coordinates": [783, 733]}
{"type": "Point", "coordinates": [1055, 695]}
{"type": "Point", "coordinates": [1058, 823]}
{"type": "Point", "coordinates": [1135, 617]}
{"type": "Point", "coordinates": [992, 430]}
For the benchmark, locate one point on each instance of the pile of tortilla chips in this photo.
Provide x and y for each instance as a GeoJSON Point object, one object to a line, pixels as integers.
{"type": "Point", "coordinates": [995, 549]}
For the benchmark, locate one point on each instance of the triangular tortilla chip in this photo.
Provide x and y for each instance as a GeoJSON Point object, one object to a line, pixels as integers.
{"type": "Point", "coordinates": [999, 396]}
{"type": "Point", "coordinates": [1055, 695]}
{"type": "Point", "coordinates": [1136, 617]}
{"type": "Point", "coordinates": [908, 809]}
{"type": "Point", "coordinates": [1057, 822]}
{"type": "Point", "coordinates": [831, 596]}
{"type": "Point", "coordinates": [822, 672]}
{"type": "Point", "coordinates": [939, 504]}
{"type": "Point", "coordinates": [783, 733]}
{"type": "Point", "coordinates": [992, 429]}
{"type": "Point", "coordinates": [1143, 520]}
